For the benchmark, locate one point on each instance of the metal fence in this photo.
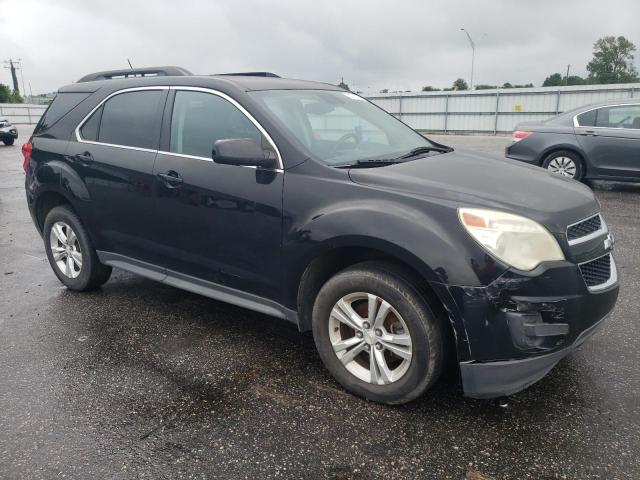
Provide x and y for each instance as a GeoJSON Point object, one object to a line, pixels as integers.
{"type": "Point", "coordinates": [493, 111]}
{"type": "Point", "coordinates": [22, 113]}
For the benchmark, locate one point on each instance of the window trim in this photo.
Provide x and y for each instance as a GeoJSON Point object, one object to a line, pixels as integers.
{"type": "Point", "coordinates": [631, 104]}
{"type": "Point", "coordinates": [104, 100]}
{"type": "Point", "coordinates": [235, 103]}
{"type": "Point", "coordinates": [239, 107]}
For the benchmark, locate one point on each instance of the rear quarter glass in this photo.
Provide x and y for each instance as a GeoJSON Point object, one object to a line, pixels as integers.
{"type": "Point", "coordinates": [62, 104]}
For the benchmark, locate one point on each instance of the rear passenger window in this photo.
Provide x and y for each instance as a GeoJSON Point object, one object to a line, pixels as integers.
{"type": "Point", "coordinates": [89, 130]}
{"type": "Point", "coordinates": [62, 104]}
{"type": "Point", "coordinates": [200, 119]}
{"type": "Point", "coordinates": [587, 119]}
{"type": "Point", "coordinates": [131, 119]}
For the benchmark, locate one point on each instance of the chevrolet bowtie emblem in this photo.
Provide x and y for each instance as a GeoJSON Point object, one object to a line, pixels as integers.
{"type": "Point", "coordinates": [608, 242]}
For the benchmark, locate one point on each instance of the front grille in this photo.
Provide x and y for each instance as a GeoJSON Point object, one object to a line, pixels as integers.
{"type": "Point", "coordinates": [584, 228]}
{"type": "Point", "coordinates": [596, 272]}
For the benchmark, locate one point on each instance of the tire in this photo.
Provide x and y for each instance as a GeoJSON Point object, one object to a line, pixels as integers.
{"type": "Point", "coordinates": [565, 163]}
{"type": "Point", "coordinates": [87, 275]}
{"type": "Point", "coordinates": [409, 314]}
{"type": "Point", "coordinates": [8, 141]}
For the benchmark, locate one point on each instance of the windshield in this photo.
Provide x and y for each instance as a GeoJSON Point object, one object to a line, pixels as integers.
{"type": "Point", "coordinates": [340, 128]}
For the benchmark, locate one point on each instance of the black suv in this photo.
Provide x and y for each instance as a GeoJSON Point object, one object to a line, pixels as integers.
{"type": "Point", "coordinates": [306, 202]}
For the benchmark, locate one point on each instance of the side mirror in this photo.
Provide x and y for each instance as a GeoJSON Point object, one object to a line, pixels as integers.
{"type": "Point", "coordinates": [240, 151]}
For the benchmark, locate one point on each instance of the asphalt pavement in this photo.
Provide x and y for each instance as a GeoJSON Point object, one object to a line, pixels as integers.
{"type": "Point", "coordinates": [141, 380]}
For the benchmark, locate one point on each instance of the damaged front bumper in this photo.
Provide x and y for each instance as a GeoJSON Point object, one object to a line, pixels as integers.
{"type": "Point", "coordinates": [497, 379]}
{"type": "Point", "coordinates": [512, 332]}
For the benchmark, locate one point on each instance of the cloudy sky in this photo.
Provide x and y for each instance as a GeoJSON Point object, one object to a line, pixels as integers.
{"type": "Point", "coordinates": [373, 44]}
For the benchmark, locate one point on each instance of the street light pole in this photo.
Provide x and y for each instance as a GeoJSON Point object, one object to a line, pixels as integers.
{"type": "Point", "coordinates": [473, 55]}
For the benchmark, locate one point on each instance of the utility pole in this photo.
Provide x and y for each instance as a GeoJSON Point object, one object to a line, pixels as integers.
{"type": "Point", "coordinates": [566, 79]}
{"type": "Point", "coordinates": [24, 92]}
{"type": "Point", "coordinates": [10, 65]}
{"type": "Point", "coordinates": [473, 54]}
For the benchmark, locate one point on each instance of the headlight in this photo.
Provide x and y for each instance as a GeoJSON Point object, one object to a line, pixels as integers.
{"type": "Point", "coordinates": [516, 240]}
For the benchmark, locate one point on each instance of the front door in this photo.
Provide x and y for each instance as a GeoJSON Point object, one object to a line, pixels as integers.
{"type": "Point", "coordinates": [219, 223]}
{"type": "Point", "coordinates": [610, 136]}
{"type": "Point", "coordinates": [114, 156]}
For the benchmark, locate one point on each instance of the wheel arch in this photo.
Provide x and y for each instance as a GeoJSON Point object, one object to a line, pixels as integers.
{"type": "Point", "coordinates": [569, 148]}
{"type": "Point", "coordinates": [45, 201]}
{"type": "Point", "coordinates": [328, 262]}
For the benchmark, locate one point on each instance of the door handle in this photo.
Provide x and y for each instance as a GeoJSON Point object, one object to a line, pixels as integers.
{"type": "Point", "coordinates": [171, 179]}
{"type": "Point", "coordinates": [80, 157]}
{"type": "Point", "coordinates": [84, 157]}
{"type": "Point", "coordinates": [590, 133]}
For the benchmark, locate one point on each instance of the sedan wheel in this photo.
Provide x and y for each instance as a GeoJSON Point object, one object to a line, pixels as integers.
{"type": "Point", "coordinates": [66, 249]}
{"type": "Point", "coordinates": [370, 338]}
{"type": "Point", "coordinates": [564, 166]}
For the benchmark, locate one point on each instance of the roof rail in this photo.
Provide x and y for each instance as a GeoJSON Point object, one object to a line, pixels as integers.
{"type": "Point", "coordinates": [137, 72]}
{"type": "Point", "coordinates": [252, 74]}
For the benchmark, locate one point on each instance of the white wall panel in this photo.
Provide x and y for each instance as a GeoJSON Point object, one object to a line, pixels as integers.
{"type": "Point", "coordinates": [475, 112]}
{"type": "Point", "coordinates": [22, 113]}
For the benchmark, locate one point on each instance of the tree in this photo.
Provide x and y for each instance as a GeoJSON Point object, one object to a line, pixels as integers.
{"type": "Point", "coordinates": [612, 61]}
{"type": "Point", "coordinates": [553, 80]}
{"type": "Point", "coordinates": [460, 84]}
{"type": "Point", "coordinates": [384, 90]}
{"type": "Point", "coordinates": [5, 94]}
{"type": "Point", "coordinates": [557, 80]}
{"type": "Point", "coordinates": [16, 97]}
{"type": "Point", "coordinates": [9, 96]}
{"type": "Point", "coordinates": [575, 80]}
{"type": "Point", "coordinates": [429, 88]}
{"type": "Point", "coordinates": [485, 87]}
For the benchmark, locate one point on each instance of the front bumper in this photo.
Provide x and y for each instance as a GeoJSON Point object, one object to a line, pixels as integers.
{"type": "Point", "coordinates": [497, 379]}
{"type": "Point", "coordinates": [512, 332]}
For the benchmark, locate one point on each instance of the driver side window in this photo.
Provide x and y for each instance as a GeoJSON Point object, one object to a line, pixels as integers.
{"type": "Point", "coordinates": [199, 119]}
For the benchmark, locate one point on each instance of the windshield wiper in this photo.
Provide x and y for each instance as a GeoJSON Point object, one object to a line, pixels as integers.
{"type": "Point", "coordinates": [426, 149]}
{"type": "Point", "coordinates": [371, 162]}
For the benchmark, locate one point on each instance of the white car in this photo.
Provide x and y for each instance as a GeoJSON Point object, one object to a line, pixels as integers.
{"type": "Point", "coordinates": [8, 133]}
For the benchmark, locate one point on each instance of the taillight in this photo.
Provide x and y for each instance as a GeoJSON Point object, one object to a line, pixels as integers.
{"type": "Point", "coordinates": [520, 135]}
{"type": "Point", "coordinates": [26, 151]}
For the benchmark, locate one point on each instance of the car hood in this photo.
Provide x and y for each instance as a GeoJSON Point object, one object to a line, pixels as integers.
{"type": "Point", "coordinates": [470, 180]}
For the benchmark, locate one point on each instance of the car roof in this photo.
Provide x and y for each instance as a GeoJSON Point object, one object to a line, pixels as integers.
{"type": "Point", "coordinates": [240, 82]}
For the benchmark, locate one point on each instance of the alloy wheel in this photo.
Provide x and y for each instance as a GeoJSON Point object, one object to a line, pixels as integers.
{"type": "Point", "coordinates": [564, 166]}
{"type": "Point", "coordinates": [370, 338]}
{"type": "Point", "coordinates": [65, 249]}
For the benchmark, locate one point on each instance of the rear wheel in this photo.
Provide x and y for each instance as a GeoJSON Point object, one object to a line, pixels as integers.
{"type": "Point", "coordinates": [564, 163]}
{"type": "Point", "coordinates": [376, 334]}
{"type": "Point", "coordinates": [70, 251]}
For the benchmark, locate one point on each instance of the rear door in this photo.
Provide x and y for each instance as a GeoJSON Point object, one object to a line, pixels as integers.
{"type": "Point", "coordinates": [114, 153]}
{"type": "Point", "coordinates": [219, 223]}
{"type": "Point", "coordinates": [610, 136]}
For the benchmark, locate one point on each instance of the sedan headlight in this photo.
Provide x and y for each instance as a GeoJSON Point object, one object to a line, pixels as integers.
{"type": "Point", "coordinates": [517, 241]}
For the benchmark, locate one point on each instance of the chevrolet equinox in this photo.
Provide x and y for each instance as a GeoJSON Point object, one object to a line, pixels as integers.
{"type": "Point", "coordinates": [306, 202]}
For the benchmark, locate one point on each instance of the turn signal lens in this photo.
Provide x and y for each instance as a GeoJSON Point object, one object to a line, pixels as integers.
{"type": "Point", "coordinates": [520, 135]}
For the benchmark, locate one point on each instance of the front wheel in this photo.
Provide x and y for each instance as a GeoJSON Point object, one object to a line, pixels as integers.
{"type": "Point", "coordinates": [376, 334]}
{"type": "Point", "coordinates": [71, 253]}
{"type": "Point", "coordinates": [564, 163]}
{"type": "Point", "coordinates": [8, 141]}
